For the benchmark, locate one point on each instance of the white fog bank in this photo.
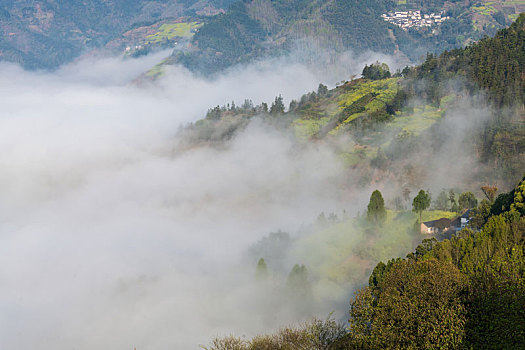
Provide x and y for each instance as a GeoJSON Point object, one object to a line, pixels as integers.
{"type": "Point", "coordinates": [110, 241]}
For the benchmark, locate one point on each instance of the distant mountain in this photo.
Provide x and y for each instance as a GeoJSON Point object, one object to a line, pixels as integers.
{"type": "Point", "coordinates": [259, 28]}
{"type": "Point", "coordinates": [47, 33]}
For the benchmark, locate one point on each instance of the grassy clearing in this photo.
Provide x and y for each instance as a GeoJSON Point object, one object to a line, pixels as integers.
{"type": "Point", "coordinates": [421, 119]}
{"type": "Point", "coordinates": [414, 123]}
{"type": "Point", "coordinates": [348, 251]}
{"type": "Point", "coordinates": [306, 128]}
{"type": "Point", "coordinates": [376, 94]}
{"type": "Point", "coordinates": [345, 104]}
{"type": "Point", "coordinates": [172, 31]}
{"type": "Point", "coordinates": [484, 10]}
{"type": "Point", "coordinates": [157, 70]}
{"type": "Point", "coordinates": [361, 99]}
{"type": "Point", "coordinates": [385, 90]}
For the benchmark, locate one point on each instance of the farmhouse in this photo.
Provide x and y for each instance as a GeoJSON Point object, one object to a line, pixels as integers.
{"type": "Point", "coordinates": [441, 225]}
{"type": "Point", "coordinates": [436, 226]}
{"type": "Point", "coordinates": [461, 221]}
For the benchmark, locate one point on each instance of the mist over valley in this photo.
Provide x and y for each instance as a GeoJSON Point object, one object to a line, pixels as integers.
{"type": "Point", "coordinates": [285, 194]}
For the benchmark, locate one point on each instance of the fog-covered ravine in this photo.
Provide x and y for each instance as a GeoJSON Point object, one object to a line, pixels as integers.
{"type": "Point", "coordinates": [111, 239]}
{"type": "Point", "coordinates": [116, 233]}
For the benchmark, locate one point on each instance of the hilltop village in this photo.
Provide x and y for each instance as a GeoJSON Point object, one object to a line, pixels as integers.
{"type": "Point", "coordinates": [414, 19]}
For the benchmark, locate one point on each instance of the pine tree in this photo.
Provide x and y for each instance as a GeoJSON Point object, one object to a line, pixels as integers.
{"type": "Point", "coordinates": [277, 106]}
{"type": "Point", "coordinates": [421, 202]}
{"type": "Point", "coordinates": [376, 212]}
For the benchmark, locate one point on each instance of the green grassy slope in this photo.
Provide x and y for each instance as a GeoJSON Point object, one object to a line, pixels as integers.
{"type": "Point", "coordinates": [347, 251]}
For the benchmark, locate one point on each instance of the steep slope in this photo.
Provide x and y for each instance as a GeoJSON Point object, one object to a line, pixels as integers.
{"type": "Point", "coordinates": [252, 29]}
{"type": "Point", "coordinates": [258, 28]}
{"type": "Point", "coordinates": [397, 122]}
{"type": "Point", "coordinates": [46, 33]}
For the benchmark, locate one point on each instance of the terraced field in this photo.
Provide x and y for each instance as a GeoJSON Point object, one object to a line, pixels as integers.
{"type": "Point", "coordinates": [169, 31]}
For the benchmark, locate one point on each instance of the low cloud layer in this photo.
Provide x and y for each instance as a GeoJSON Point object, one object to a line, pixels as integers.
{"type": "Point", "coordinates": [109, 240]}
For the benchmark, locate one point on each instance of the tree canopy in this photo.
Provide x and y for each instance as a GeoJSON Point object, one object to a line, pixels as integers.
{"type": "Point", "coordinates": [376, 71]}
{"type": "Point", "coordinates": [467, 200]}
{"type": "Point", "coordinates": [464, 293]}
{"type": "Point", "coordinates": [421, 202]}
{"type": "Point", "coordinates": [376, 212]}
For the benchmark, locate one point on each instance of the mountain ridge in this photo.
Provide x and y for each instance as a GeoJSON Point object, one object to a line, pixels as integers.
{"type": "Point", "coordinates": [45, 34]}
{"type": "Point", "coordinates": [263, 28]}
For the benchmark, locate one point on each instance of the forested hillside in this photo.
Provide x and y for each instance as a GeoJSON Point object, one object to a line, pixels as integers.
{"type": "Point", "coordinates": [394, 119]}
{"type": "Point", "coordinates": [462, 293]}
{"type": "Point", "coordinates": [391, 204]}
{"type": "Point", "coordinates": [45, 34]}
{"type": "Point", "coordinates": [259, 28]}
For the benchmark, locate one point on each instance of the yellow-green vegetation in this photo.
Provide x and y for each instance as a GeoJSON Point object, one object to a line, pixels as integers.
{"type": "Point", "coordinates": [344, 104]}
{"type": "Point", "coordinates": [374, 94]}
{"type": "Point", "coordinates": [173, 30]}
{"type": "Point", "coordinates": [346, 252]}
{"type": "Point", "coordinates": [437, 214]}
{"type": "Point", "coordinates": [411, 124]}
{"type": "Point", "coordinates": [365, 99]}
{"type": "Point", "coordinates": [484, 10]}
{"type": "Point", "coordinates": [514, 17]}
{"type": "Point", "coordinates": [447, 101]}
{"type": "Point", "coordinates": [357, 154]}
{"type": "Point", "coordinates": [157, 70]}
{"type": "Point", "coordinates": [306, 128]}
{"type": "Point", "coordinates": [384, 88]}
{"type": "Point", "coordinates": [420, 120]}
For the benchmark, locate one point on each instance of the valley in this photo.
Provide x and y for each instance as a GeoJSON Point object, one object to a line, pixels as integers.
{"type": "Point", "coordinates": [260, 175]}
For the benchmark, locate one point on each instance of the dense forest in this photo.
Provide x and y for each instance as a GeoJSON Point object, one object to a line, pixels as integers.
{"type": "Point", "coordinates": [46, 34]}
{"type": "Point", "coordinates": [494, 64]}
{"type": "Point", "coordinates": [466, 292]}
{"type": "Point", "coordinates": [386, 211]}
{"type": "Point", "coordinates": [261, 28]}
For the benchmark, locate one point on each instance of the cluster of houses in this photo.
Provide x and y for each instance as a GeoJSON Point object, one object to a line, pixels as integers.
{"type": "Point", "coordinates": [414, 19]}
{"type": "Point", "coordinates": [446, 225]}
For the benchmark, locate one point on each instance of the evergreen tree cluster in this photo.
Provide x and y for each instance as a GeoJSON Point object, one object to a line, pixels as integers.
{"type": "Point", "coordinates": [464, 293]}
{"type": "Point", "coordinates": [376, 71]}
{"type": "Point", "coordinates": [495, 65]}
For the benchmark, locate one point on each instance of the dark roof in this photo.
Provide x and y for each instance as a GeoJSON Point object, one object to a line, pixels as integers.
{"type": "Point", "coordinates": [457, 220]}
{"type": "Point", "coordinates": [439, 223]}
{"type": "Point", "coordinates": [466, 214]}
